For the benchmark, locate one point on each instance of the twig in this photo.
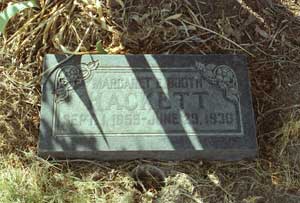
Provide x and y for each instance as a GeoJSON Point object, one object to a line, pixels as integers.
{"type": "Point", "coordinates": [278, 109]}
{"type": "Point", "coordinates": [220, 35]}
{"type": "Point", "coordinates": [80, 160]}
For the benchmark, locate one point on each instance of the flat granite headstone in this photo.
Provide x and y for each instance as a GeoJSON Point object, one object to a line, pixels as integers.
{"type": "Point", "coordinates": [165, 107]}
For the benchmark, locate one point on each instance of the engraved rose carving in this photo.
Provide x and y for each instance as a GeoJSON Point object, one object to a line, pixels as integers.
{"type": "Point", "coordinates": [71, 77]}
{"type": "Point", "coordinates": [73, 74]}
{"type": "Point", "coordinates": [222, 76]}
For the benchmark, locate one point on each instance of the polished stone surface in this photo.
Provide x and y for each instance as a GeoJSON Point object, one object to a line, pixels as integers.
{"type": "Point", "coordinates": [166, 107]}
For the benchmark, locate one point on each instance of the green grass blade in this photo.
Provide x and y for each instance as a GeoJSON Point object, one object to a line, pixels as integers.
{"type": "Point", "coordinates": [12, 10]}
{"type": "Point", "coordinates": [99, 48]}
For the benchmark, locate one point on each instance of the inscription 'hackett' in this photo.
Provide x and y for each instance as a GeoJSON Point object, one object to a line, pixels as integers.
{"type": "Point", "coordinates": [135, 101]}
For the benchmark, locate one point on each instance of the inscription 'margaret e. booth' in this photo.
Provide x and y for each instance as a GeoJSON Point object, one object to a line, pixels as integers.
{"type": "Point", "coordinates": [166, 107]}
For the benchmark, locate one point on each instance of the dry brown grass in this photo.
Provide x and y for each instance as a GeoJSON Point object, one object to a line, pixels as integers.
{"type": "Point", "coordinates": [267, 31]}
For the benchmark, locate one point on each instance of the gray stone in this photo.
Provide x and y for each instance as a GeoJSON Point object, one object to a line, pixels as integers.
{"type": "Point", "coordinates": [166, 107]}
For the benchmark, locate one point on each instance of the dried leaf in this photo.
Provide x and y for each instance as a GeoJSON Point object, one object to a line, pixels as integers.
{"type": "Point", "coordinates": [98, 4]}
{"type": "Point", "coordinates": [213, 178]}
{"type": "Point", "coordinates": [121, 3]}
{"type": "Point", "coordinates": [174, 17]}
{"type": "Point", "coordinates": [262, 32]}
{"type": "Point", "coordinates": [103, 23]}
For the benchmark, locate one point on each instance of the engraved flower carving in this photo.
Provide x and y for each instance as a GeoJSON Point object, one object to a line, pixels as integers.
{"type": "Point", "coordinates": [221, 75]}
{"type": "Point", "coordinates": [73, 75]}
{"type": "Point", "coordinates": [207, 71]}
{"type": "Point", "coordinates": [226, 77]}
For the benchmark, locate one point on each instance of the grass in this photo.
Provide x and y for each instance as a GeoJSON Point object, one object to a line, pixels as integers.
{"type": "Point", "coordinates": [267, 31]}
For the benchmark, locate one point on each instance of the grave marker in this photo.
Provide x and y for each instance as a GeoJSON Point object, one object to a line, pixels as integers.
{"type": "Point", "coordinates": [167, 107]}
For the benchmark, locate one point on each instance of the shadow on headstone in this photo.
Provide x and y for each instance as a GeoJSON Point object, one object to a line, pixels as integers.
{"type": "Point", "coordinates": [82, 94]}
{"type": "Point", "coordinates": [182, 142]}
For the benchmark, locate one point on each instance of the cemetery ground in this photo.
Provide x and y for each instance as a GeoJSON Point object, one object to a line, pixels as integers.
{"type": "Point", "coordinates": [267, 31]}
